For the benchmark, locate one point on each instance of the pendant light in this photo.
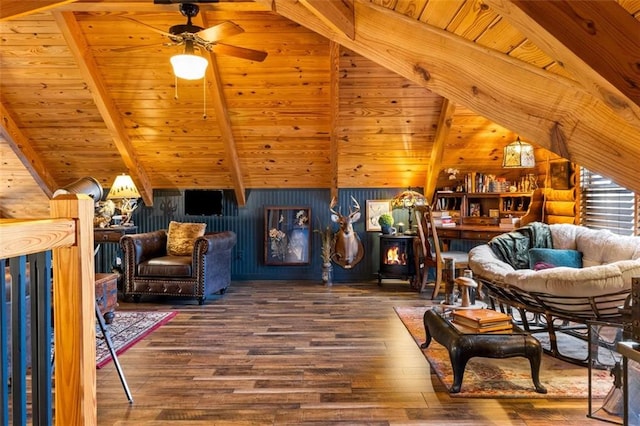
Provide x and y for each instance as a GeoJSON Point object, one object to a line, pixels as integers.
{"type": "Point", "coordinates": [518, 154]}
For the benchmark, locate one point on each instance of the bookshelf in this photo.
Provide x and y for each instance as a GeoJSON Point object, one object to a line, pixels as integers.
{"type": "Point", "coordinates": [487, 208]}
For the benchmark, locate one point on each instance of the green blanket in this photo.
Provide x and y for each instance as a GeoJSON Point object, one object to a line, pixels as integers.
{"type": "Point", "coordinates": [513, 247]}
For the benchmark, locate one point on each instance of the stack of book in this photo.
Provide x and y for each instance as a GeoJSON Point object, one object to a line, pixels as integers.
{"type": "Point", "coordinates": [482, 320]}
{"type": "Point", "coordinates": [442, 218]}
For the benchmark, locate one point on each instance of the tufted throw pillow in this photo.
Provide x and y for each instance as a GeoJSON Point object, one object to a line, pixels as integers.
{"type": "Point", "coordinates": [181, 237]}
{"type": "Point", "coordinates": [544, 258]}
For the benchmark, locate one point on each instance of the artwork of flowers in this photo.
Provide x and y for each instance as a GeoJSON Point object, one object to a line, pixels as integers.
{"type": "Point", "coordinates": [287, 235]}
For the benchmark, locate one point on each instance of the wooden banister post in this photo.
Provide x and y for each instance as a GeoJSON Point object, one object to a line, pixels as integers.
{"type": "Point", "coordinates": [74, 316]}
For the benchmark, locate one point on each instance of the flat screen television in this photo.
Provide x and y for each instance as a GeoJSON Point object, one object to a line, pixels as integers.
{"type": "Point", "coordinates": [203, 202]}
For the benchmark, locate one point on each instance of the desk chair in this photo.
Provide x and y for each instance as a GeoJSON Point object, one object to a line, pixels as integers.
{"type": "Point", "coordinates": [428, 254]}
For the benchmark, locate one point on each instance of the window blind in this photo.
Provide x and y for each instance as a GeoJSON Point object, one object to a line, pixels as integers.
{"type": "Point", "coordinates": [606, 205]}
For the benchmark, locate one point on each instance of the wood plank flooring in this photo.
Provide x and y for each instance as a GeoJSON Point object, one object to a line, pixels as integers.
{"type": "Point", "coordinates": [298, 353]}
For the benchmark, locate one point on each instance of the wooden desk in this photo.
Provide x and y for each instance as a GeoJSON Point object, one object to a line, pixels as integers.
{"type": "Point", "coordinates": [468, 232]}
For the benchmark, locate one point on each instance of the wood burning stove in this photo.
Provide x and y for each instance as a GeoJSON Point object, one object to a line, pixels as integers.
{"type": "Point", "coordinates": [396, 257]}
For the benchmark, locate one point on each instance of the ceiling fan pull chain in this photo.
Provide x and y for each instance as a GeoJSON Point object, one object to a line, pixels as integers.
{"type": "Point", "coordinates": [175, 95]}
{"type": "Point", "coordinates": [204, 98]}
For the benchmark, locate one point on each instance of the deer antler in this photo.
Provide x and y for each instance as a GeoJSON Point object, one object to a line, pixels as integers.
{"type": "Point", "coordinates": [332, 205]}
{"type": "Point", "coordinates": [357, 206]}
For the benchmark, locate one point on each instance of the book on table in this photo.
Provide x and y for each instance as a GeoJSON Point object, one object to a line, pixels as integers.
{"type": "Point", "coordinates": [482, 320]}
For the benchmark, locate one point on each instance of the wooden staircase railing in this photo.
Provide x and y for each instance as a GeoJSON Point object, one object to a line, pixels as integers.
{"type": "Point", "coordinates": [68, 234]}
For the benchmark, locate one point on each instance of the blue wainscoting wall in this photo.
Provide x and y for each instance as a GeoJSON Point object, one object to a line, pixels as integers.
{"type": "Point", "coordinates": [249, 224]}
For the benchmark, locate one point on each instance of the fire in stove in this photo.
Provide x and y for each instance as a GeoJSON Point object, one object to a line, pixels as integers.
{"type": "Point", "coordinates": [395, 256]}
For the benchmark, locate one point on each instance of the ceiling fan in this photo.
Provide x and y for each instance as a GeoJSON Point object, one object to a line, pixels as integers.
{"type": "Point", "coordinates": [193, 36]}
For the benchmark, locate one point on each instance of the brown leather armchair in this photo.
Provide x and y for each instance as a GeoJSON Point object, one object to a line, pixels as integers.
{"type": "Point", "coordinates": [149, 270]}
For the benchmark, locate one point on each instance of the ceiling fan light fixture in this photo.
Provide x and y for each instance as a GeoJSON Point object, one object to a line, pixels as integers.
{"type": "Point", "coordinates": [189, 67]}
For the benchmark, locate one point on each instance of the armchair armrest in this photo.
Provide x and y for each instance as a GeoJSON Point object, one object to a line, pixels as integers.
{"type": "Point", "coordinates": [212, 259]}
{"type": "Point", "coordinates": [214, 242]}
{"type": "Point", "coordinates": [140, 247]}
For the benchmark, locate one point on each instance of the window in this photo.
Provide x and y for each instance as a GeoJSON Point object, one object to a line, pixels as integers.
{"type": "Point", "coordinates": [605, 205]}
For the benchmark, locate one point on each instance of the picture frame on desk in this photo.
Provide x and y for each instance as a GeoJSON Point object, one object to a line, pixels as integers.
{"type": "Point", "coordinates": [474, 209]}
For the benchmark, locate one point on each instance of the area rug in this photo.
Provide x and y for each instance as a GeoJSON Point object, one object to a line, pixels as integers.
{"type": "Point", "coordinates": [127, 329]}
{"type": "Point", "coordinates": [506, 378]}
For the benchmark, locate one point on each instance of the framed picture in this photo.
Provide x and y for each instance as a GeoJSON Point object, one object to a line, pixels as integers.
{"type": "Point", "coordinates": [374, 209]}
{"type": "Point", "coordinates": [474, 209]}
{"type": "Point", "coordinates": [287, 235]}
{"type": "Point", "coordinates": [559, 173]}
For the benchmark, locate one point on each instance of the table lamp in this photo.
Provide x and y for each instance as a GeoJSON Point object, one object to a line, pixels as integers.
{"type": "Point", "coordinates": [408, 200]}
{"type": "Point", "coordinates": [125, 195]}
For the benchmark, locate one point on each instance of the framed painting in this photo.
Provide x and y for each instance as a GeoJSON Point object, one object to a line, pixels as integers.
{"type": "Point", "coordinates": [287, 235]}
{"type": "Point", "coordinates": [374, 209]}
{"type": "Point", "coordinates": [560, 172]}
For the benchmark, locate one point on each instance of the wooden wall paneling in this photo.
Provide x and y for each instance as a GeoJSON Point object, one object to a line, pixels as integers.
{"type": "Point", "coordinates": [20, 196]}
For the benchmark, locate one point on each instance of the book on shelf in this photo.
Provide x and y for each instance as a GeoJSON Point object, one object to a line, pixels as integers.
{"type": "Point", "coordinates": [440, 213]}
{"type": "Point", "coordinates": [443, 218]}
{"type": "Point", "coordinates": [448, 224]}
{"type": "Point", "coordinates": [482, 320]}
{"type": "Point", "coordinates": [444, 221]}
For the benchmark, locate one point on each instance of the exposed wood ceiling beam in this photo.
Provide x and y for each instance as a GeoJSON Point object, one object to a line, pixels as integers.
{"type": "Point", "coordinates": [112, 118]}
{"type": "Point", "coordinates": [510, 92]}
{"type": "Point", "coordinates": [224, 123]}
{"type": "Point", "coordinates": [147, 6]}
{"type": "Point", "coordinates": [334, 64]}
{"type": "Point", "coordinates": [338, 14]}
{"type": "Point", "coordinates": [437, 151]}
{"type": "Point", "coordinates": [596, 40]}
{"type": "Point", "coordinates": [28, 156]}
{"type": "Point", "coordinates": [11, 9]}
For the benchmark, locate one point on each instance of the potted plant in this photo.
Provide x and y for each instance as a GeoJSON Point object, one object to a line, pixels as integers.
{"type": "Point", "coordinates": [386, 220]}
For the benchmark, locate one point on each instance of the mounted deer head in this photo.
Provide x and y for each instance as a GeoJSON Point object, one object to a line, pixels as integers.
{"type": "Point", "coordinates": [348, 249]}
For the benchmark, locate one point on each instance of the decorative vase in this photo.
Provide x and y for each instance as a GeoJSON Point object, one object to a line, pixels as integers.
{"type": "Point", "coordinates": [327, 272]}
{"type": "Point", "coordinates": [388, 229]}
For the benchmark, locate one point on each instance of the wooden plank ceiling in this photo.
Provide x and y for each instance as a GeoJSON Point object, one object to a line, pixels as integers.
{"type": "Point", "coordinates": [352, 94]}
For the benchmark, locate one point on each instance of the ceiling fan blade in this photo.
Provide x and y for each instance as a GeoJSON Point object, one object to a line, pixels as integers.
{"type": "Point", "coordinates": [239, 52]}
{"type": "Point", "coordinates": [220, 31]}
{"type": "Point", "coordinates": [159, 31]}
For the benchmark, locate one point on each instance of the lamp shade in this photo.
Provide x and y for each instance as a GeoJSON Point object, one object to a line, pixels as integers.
{"type": "Point", "coordinates": [518, 154]}
{"type": "Point", "coordinates": [188, 66]}
{"type": "Point", "coordinates": [407, 199]}
{"type": "Point", "coordinates": [123, 187]}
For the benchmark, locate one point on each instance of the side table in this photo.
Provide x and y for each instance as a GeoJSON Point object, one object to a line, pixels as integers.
{"type": "Point", "coordinates": [110, 235]}
{"type": "Point", "coordinates": [464, 346]}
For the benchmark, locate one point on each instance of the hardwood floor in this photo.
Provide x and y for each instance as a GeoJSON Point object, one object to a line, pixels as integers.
{"type": "Point", "coordinates": [292, 353]}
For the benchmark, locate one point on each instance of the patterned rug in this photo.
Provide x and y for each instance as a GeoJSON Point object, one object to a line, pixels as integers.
{"type": "Point", "coordinates": [127, 329]}
{"type": "Point", "coordinates": [506, 378]}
